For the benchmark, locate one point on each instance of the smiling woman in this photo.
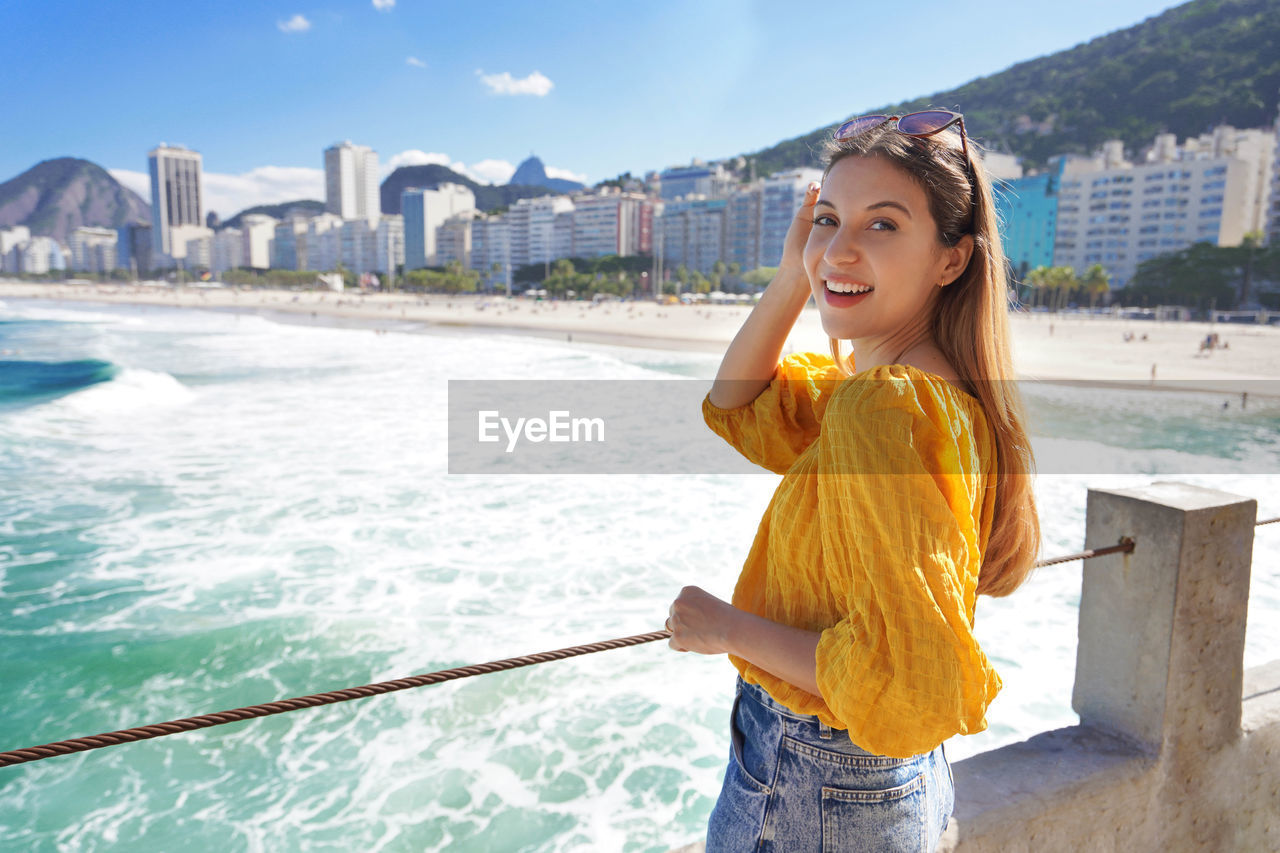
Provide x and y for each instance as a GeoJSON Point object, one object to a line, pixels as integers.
{"type": "Point", "coordinates": [905, 495]}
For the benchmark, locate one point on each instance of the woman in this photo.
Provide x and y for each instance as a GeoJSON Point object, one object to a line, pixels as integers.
{"type": "Point", "coordinates": [906, 493]}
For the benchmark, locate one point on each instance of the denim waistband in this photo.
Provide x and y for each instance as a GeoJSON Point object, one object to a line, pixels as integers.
{"type": "Point", "coordinates": [759, 694]}
{"type": "Point", "coordinates": [823, 732]}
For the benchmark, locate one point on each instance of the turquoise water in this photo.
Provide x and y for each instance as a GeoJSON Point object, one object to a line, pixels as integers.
{"type": "Point", "coordinates": [200, 511]}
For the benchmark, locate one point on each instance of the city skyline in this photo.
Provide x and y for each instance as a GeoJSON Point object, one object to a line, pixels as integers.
{"type": "Point", "coordinates": [260, 93]}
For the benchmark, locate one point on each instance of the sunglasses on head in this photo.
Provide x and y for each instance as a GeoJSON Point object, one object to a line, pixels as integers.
{"type": "Point", "coordinates": [921, 124]}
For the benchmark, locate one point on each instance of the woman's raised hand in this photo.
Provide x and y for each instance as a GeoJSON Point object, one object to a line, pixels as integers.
{"type": "Point", "coordinates": [792, 267]}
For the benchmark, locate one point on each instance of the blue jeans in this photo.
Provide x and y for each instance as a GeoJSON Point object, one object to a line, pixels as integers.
{"type": "Point", "coordinates": [794, 784]}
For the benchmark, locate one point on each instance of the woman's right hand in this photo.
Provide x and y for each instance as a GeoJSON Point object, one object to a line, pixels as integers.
{"type": "Point", "coordinates": [791, 268]}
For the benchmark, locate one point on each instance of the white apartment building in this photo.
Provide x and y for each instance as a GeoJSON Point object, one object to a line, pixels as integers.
{"type": "Point", "coordinates": [93, 249]}
{"type": "Point", "coordinates": [10, 238]}
{"type": "Point", "coordinates": [39, 255]}
{"type": "Point", "coordinates": [491, 251]}
{"type": "Point", "coordinates": [181, 237]}
{"type": "Point", "coordinates": [742, 226]}
{"type": "Point", "coordinates": [227, 252]}
{"type": "Point", "coordinates": [1118, 214]}
{"type": "Point", "coordinates": [532, 222]}
{"type": "Point", "coordinates": [781, 196]}
{"type": "Point", "coordinates": [289, 245]}
{"type": "Point", "coordinates": [389, 237]}
{"type": "Point", "coordinates": [323, 242]}
{"type": "Point", "coordinates": [257, 230]}
{"type": "Point", "coordinates": [562, 234]}
{"type": "Point", "coordinates": [358, 245]}
{"type": "Point", "coordinates": [691, 232]}
{"type": "Point", "coordinates": [424, 211]}
{"type": "Point", "coordinates": [610, 222]}
{"type": "Point", "coordinates": [351, 182]}
{"type": "Point", "coordinates": [199, 253]}
{"type": "Point", "coordinates": [453, 239]}
{"type": "Point", "coordinates": [177, 199]}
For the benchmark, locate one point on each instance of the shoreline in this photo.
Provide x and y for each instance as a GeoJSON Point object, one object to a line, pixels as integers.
{"type": "Point", "coordinates": [1068, 349]}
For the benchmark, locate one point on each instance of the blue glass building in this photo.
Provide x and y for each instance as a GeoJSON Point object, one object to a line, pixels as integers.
{"type": "Point", "coordinates": [1028, 212]}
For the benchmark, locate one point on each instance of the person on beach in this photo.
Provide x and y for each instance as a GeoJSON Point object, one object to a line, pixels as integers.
{"type": "Point", "coordinates": [906, 494]}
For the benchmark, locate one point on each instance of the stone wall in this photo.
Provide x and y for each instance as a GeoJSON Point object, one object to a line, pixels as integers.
{"type": "Point", "coordinates": [1178, 748]}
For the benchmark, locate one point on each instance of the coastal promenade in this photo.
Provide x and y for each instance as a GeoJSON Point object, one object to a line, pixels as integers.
{"type": "Point", "coordinates": [1060, 348]}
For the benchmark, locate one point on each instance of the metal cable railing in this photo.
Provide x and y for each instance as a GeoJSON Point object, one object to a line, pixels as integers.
{"type": "Point", "coordinates": [67, 747]}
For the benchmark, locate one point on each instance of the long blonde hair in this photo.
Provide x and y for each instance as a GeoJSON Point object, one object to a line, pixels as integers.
{"type": "Point", "coordinates": [970, 325]}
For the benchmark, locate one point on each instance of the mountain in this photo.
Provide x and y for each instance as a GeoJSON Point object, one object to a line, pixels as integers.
{"type": "Point", "coordinates": [431, 176]}
{"type": "Point", "coordinates": [55, 197]}
{"type": "Point", "coordinates": [280, 211]}
{"type": "Point", "coordinates": [531, 173]}
{"type": "Point", "coordinates": [1183, 71]}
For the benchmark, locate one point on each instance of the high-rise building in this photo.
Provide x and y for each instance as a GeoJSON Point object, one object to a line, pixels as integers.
{"type": "Point", "coordinates": [10, 239]}
{"type": "Point", "coordinates": [1027, 210]}
{"type": "Point", "coordinates": [453, 239]}
{"type": "Point", "coordinates": [781, 196]}
{"type": "Point", "coordinates": [1118, 214]}
{"type": "Point", "coordinates": [289, 245]}
{"type": "Point", "coordinates": [692, 233]}
{"type": "Point", "coordinates": [257, 230]}
{"type": "Point", "coordinates": [351, 182]}
{"type": "Point", "coordinates": [532, 223]}
{"type": "Point", "coordinates": [695, 179]}
{"type": "Point", "coordinates": [742, 226]}
{"type": "Point", "coordinates": [358, 245]}
{"type": "Point", "coordinates": [227, 251]}
{"type": "Point", "coordinates": [610, 222]}
{"type": "Point", "coordinates": [389, 254]}
{"type": "Point", "coordinates": [491, 251]}
{"type": "Point", "coordinates": [134, 249]}
{"type": "Point", "coordinates": [424, 211]}
{"type": "Point", "coordinates": [199, 252]}
{"type": "Point", "coordinates": [93, 249]}
{"type": "Point", "coordinates": [323, 242]}
{"type": "Point", "coordinates": [177, 199]}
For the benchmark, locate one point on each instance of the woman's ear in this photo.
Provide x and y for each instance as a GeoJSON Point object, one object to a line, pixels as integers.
{"type": "Point", "coordinates": [957, 258]}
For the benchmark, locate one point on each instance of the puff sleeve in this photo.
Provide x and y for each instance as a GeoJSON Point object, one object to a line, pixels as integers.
{"type": "Point", "coordinates": [900, 488]}
{"type": "Point", "coordinates": [779, 424]}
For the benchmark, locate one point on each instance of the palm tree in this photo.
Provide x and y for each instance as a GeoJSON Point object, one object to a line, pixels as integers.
{"type": "Point", "coordinates": [1095, 283]}
{"type": "Point", "coordinates": [1038, 281]}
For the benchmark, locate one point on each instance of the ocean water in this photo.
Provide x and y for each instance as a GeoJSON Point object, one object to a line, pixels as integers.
{"type": "Point", "coordinates": [201, 511]}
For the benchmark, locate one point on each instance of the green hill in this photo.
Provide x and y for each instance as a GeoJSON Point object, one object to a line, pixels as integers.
{"type": "Point", "coordinates": [280, 211]}
{"type": "Point", "coordinates": [1194, 66]}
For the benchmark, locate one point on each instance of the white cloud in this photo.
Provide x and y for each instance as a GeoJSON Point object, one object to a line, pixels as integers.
{"type": "Point", "coordinates": [139, 182]}
{"type": "Point", "coordinates": [494, 171]}
{"type": "Point", "coordinates": [384, 5]}
{"type": "Point", "coordinates": [414, 157]}
{"type": "Point", "coordinates": [416, 62]}
{"type": "Point", "coordinates": [296, 24]}
{"type": "Point", "coordinates": [504, 84]}
{"type": "Point", "coordinates": [553, 172]}
{"type": "Point", "coordinates": [230, 194]}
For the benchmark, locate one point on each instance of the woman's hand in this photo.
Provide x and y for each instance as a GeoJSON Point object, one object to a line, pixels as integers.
{"type": "Point", "coordinates": [791, 269]}
{"type": "Point", "coordinates": [700, 622]}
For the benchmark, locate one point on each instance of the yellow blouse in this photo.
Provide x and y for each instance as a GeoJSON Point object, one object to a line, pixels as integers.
{"type": "Point", "coordinates": [874, 538]}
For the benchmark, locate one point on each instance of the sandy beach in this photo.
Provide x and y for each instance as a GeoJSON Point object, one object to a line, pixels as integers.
{"type": "Point", "coordinates": [1060, 348]}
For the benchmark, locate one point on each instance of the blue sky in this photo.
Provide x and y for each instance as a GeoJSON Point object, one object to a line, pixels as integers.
{"type": "Point", "coordinates": [593, 88]}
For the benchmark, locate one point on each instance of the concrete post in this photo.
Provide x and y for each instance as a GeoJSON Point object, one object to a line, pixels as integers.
{"type": "Point", "coordinates": [1161, 649]}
